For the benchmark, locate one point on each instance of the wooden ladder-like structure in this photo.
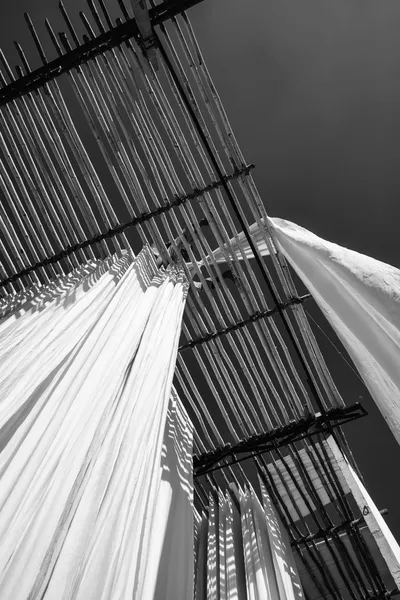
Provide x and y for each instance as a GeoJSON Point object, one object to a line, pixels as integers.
{"type": "Point", "coordinates": [122, 140]}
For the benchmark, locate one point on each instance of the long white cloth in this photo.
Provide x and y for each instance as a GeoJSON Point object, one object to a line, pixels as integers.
{"type": "Point", "coordinates": [248, 554]}
{"type": "Point", "coordinates": [170, 555]}
{"type": "Point", "coordinates": [384, 538]}
{"type": "Point", "coordinates": [359, 296]}
{"type": "Point", "coordinates": [85, 382]}
{"type": "Point", "coordinates": [287, 578]}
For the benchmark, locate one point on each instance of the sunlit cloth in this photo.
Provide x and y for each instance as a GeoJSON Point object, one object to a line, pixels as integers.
{"type": "Point", "coordinates": [260, 572]}
{"type": "Point", "coordinates": [239, 247]}
{"type": "Point", "coordinates": [385, 540]}
{"type": "Point", "coordinates": [170, 556]}
{"type": "Point", "coordinates": [248, 552]}
{"type": "Point", "coordinates": [94, 455]}
{"type": "Point", "coordinates": [287, 578]}
{"type": "Point", "coordinates": [359, 296]}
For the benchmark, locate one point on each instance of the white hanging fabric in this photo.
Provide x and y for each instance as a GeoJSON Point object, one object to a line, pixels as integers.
{"type": "Point", "coordinates": [359, 296]}
{"type": "Point", "coordinates": [384, 538]}
{"type": "Point", "coordinates": [170, 556]}
{"type": "Point", "coordinates": [95, 459]}
{"type": "Point", "coordinates": [287, 577]}
{"type": "Point", "coordinates": [248, 552]}
{"type": "Point", "coordinates": [260, 572]}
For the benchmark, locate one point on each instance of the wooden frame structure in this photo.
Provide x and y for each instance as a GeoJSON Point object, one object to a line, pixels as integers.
{"type": "Point", "coordinates": [250, 371]}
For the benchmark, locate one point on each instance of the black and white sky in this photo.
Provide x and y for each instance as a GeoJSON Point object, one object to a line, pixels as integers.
{"type": "Point", "coordinates": [312, 90]}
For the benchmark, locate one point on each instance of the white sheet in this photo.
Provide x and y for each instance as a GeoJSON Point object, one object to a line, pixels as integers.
{"type": "Point", "coordinates": [248, 552]}
{"type": "Point", "coordinates": [385, 540]}
{"type": "Point", "coordinates": [359, 296]}
{"type": "Point", "coordinates": [287, 577]}
{"type": "Point", "coordinates": [85, 381]}
{"type": "Point", "coordinates": [260, 572]}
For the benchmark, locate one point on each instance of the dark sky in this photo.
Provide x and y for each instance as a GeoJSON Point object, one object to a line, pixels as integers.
{"type": "Point", "coordinates": [312, 89]}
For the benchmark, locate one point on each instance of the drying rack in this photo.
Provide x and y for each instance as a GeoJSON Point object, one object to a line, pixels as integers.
{"type": "Point", "coordinates": [249, 370]}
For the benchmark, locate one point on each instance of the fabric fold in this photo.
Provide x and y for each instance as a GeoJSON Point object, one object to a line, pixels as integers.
{"type": "Point", "coordinates": [358, 295]}
{"type": "Point", "coordinates": [85, 415]}
{"type": "Point", "coordinates": [248, 555]}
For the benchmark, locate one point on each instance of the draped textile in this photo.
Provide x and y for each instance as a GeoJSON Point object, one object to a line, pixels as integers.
{"type": "Point", "coordinates": [95, 459]}
{"type": "Point", "coordinates": [171, 541]}
{"type": "Point", "coordinates": [243, 551]}
{"type": "Point", "coordinates": [384, 538]}
{"type": "Point", "coordinates": [359, 296]}
{"type": "Point", "coordinates": [287, 578]}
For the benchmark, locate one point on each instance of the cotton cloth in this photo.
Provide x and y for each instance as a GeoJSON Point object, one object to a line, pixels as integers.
{"type": "Point", "coordinates": [243, 551]}
{"type": "Point", "coordinates": [95, 468]}
{"type": "Point", "coordinates": [359, 296]}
